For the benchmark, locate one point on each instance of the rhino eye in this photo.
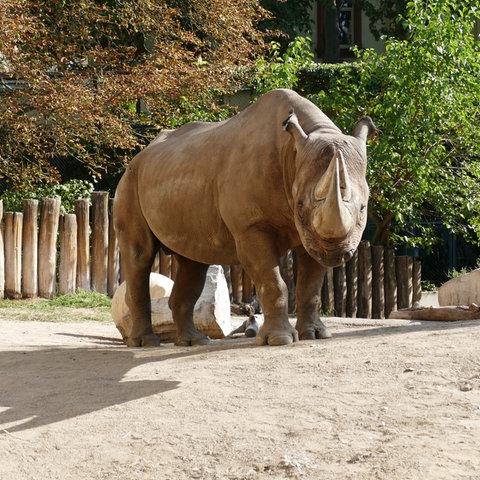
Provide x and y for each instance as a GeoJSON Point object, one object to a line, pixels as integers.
{"type": "Point", "coordinates": [362, 208]}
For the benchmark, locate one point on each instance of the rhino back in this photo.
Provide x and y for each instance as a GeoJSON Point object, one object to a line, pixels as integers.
{"type": "Point", "coordinates": [203, 184]}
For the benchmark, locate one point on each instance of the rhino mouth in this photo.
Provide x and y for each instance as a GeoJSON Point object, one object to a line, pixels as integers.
{"type": "Point", "coordinates": [328, 253]}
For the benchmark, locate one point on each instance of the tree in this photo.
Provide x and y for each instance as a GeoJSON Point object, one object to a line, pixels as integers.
{"type": "Point", "coordinates": [423, 94]}
{"type": "Point", "coordinates": [88, 72]}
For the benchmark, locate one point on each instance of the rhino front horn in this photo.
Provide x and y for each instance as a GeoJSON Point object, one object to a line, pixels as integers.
{"type": "Point", "coordinates": [334, 220]}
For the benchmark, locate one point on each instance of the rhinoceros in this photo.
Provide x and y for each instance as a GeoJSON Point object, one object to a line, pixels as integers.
{"type": "Point", "coordinates": [279, 175]}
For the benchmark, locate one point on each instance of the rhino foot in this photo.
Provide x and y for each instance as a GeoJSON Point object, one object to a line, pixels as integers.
{"type": "Point", "coordinates": [315, 332]}
{"type": "Point", "coordinates": [147, 340]}
{"type": "Point", "coordinates": [192, 340]}
{"type": "Point", "coordinates": [276, 337]}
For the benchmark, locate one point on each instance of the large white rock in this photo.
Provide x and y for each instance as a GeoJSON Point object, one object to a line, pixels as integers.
{"type": "Point", "coordinates": [462, 290]}
{"type": "Point", "coordinates": [211, 314]}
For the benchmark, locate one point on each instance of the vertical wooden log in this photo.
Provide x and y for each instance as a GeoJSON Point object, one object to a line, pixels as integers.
{"type": "Point", "coordinates": [173, 267]}
{"type": "Point", "coordinates": [378, 282]}
{"type": "Point", "coordinates": [47, 251]}
{"type": "Point", "coordinates": [13, 254]}
{"type": "Point", "coordinates": [67, 274]}
{"type": "Point", "coordinates": [351, 271]}
{"type": "Point", "coordinates": [403, 265]}
{"type": "Point", "coordinates": [390, 282]}
{"type": "Point", "coordinates": [30, 249]}
{"type": "Point", "coordinates": [287, 273]}
{"type": "Point", "coordinates": [410, 280]}
{"type": "Point", "coordinates": [165, 264]}
{"type": "Point", "coordinates": [155, 264]}
{"type": "Point", "coordinates": [114, 255]}
{"type": "Point", "coordinates": [327, 294]}
{"type": "Point", "coordinates": [364, 280]}
{"type": "Point", "coordinates": [99, 269]}
{"type": "Point", "coordinates": [228, 278]}
{"type": "Point", "coordinates": [237, 286]}
{"type": "Point", "coordinates": [2, 254]}
{"type": "Point", "coordinates": [247, 287]}
{"type": "Point", "coordinates": [82, 212]}
{"type": "Point", "coordinates": [417, 282]}
{"type": "Point", "coordinates": [340, 291]}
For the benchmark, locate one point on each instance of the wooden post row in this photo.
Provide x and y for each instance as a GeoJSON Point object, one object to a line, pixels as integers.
{"type": "Point", "coordinates": [100, 242]}
{"type": "Point", "coordinates": [30, 249]}
{"type": "Point", "coordinates": [82, 212]}
{"type": "Point", "coordinates": [47, 253]}
{"type": "Point", "coordinates": [2, 254]}
{"type": "Point", "coordinates": [113, 255]}
{"type": "Point", "coordinates": [67, 281]}
{"type": "Point", "coordinates": [378, 275]}
{"type": "Point", "coordinates": [364, 309]}
{"type": "Point", "coordinates": [390, 282]}
{"type": "Point", "coordinates": [13, 254]}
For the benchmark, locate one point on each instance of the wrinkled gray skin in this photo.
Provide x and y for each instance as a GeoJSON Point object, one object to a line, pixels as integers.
{"type": "Point", "coordinates": [244, 191]}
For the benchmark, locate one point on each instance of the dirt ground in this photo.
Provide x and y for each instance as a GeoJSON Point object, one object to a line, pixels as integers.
{"type": "Point", "coordinates": [380, 400]}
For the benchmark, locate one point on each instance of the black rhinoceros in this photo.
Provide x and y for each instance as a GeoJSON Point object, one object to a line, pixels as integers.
{"type": "Point", "coordinates": [277, 176]}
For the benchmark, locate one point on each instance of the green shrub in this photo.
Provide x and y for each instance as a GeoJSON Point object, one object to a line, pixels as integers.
{"type": "Point", "coordinates": [67, 192]}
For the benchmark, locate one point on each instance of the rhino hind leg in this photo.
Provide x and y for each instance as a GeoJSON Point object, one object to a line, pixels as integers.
{"type": "Point", "coordinates": [310, 275]}
{"type": "Point", "coordinates": [188, 286]}
{"type": "Point", "coordinates": [138, 247]}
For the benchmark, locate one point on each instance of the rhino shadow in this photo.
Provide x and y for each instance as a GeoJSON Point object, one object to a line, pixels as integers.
{"type": "Point", "coordinates": [40, 387]}
{"type": "Point", "coordinates": [47, 385]}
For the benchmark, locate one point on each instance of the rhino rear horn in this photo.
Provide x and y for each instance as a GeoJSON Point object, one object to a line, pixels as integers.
{"type": "Point", "coordinates": [292, 126]}
{"type": "Point", "coordinates": [364, 129]}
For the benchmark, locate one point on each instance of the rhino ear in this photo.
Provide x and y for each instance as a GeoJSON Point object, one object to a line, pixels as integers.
{"type": "Point", "coordinates": [364, 129]}
{"type": "Point", "coordinates": [292, 126]}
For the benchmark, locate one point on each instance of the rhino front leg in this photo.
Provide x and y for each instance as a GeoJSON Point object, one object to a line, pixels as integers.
{"type": "Point", "coordinates": [188, 286]}
{"type": "Point", "coordinates": [310, 275]}
{"type": "Point", "coordinates": [259, 256]}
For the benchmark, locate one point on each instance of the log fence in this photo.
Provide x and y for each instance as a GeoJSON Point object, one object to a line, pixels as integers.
{"type": "Point", "coordinates": [56, 254]}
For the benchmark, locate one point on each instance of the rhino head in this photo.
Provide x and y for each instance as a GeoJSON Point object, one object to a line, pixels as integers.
{"type": "Point", "coordinates": [329, 189]}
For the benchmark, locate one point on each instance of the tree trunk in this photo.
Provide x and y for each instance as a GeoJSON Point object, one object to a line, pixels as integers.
{"type": "Point", "coordinates": [332, 38]}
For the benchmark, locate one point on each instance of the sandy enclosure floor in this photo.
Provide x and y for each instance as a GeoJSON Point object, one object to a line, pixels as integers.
{"type": "Point", "coordinates": [380, 400]}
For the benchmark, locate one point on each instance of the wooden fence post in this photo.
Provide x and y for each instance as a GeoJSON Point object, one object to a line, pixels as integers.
{"type": "Point", "coordinates": [247, 288]}
{"type": "Point", "coordinates": [2, 254]}
{"type": "Point", "coordinates": [351, 272]}
{"type": "Point", "coordinates": [237, 286]}
{"type": "Point", "coordinates": [13, 254]}
{"type": "Point", "coordinates": [30, 249]}
{"type": "Point", "coordinates": [328, 294]}
{"type": "Point", "coordinates": [68, 254]}
{"type": "Point", "coordinates": [165, 264]}
{"type": "Point", "coordinates": [82, 212]}
{"type": "Point", "coordinates": [378, 275]}
{"type": "Point", "coordinates": [403, 265]}
{"type": "Point", "coordinates": [47, 254]}
{"type": "Point", "coordinates": [364, 280]}
{"type": "Point", "coordinates": [100, 241]}
{"type": "Point", "coordinates": [390, 282]}
{"type": "Point", "coordinates": [417, 281]}
{"type": "Point", "coordinates": [287, 271]}
{"type": "Point", "coordinates": [114, 255]}
{"type": "Point", "coordinates": [340, 290]}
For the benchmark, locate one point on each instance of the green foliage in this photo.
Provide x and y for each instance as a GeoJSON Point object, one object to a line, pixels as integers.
{"type": "Point", "coordinates": [282, 70]}
{"type": "Point", "coordinates": [288, 17]}
{"type": "Point", "coordinates": [67, 192]}
{"type": "Point", "coordinates": [423, 94]}
{"type": "Point", "coordinates": [198, 111]}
